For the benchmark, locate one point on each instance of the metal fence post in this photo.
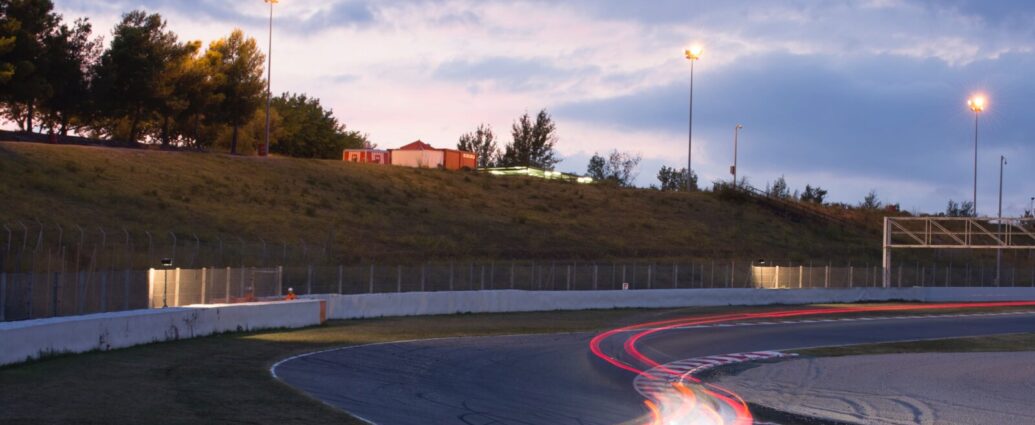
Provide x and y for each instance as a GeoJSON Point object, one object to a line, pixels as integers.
{"type": "Point", "coordinates": [675, 275]}
{"type": "Point", "coordinates": [596, 275]}
{"type": "Point", "coordinates": [371, 279]}
{"type": "Point", "coordinates": [422, 271]}
{"type": "Point", "coordinates": [341, 277]}
{"type": "Point", "coordinates": [733, 273]}
{"type": "Point", "coordinates": [614, 272]}
{"type": "Point", "coordinates": [3, 294]}
{"type": "Point", "coordinates": [399, 278]}
{"type": "Point", "coordinates": [511, 275]}
{"type": "Point", "coordinates": [126, 275]}
{"type": "Point", "coordinates": [204, 284]}
{"type": "Point", "coordinates": [531, 283]}
{"type": "Point", "coordinates": [176, 290]}
{"type": "Point", "coordinates": [801, 276]}
{"type": "Point", "coordinates": [711, 283]}
{"type": "Point", "coordinates": [650, 275]}
{"type": "Point", "coordinates": [567, 277]}
{"type": "Point", "coordinates": [851, 275]}
{"type": "Point", "coordinates": [309, 280]}
{"type": "Point", "coordinates": [150, 288]}
{"type": "Point", "coordinates": [826, 277]}
{"type": "Point", "coordinates": [481, 275]}
{"type": "Point", "coordinates": [280, 280]}
{"type": "Point", "coordinates": [227, 293]}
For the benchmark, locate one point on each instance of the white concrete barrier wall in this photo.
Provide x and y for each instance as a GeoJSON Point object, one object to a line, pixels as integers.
{"type": "Point", "coordinates": [976, 294]}
{"type": "Point", "coordinates": [430, 303]}
{"type": "Point", "coordinates": [30, 339]}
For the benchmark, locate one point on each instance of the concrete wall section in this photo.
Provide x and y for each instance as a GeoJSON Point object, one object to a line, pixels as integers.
{"type": "Point", "coordinates": [991, 294]}
{"type": "Point", "coordinates": [26, 340]}
{"type": "Point", "coordinates": [428, 303]}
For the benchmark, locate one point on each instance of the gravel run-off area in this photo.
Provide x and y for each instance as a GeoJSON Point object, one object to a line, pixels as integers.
{"type": "Point", "coordinates": [922, 388]}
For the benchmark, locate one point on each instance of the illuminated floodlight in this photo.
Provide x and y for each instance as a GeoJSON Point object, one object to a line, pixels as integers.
{"type": "Point", "coordinates": [694, 52]}
{"type": "Point", "coordinates": [977, 103]}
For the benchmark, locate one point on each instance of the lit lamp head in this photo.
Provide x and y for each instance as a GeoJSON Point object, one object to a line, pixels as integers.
{"type": "Point", "coordinates": [167, 262]}
{"type": "Point", "coordinates": [694, 52]}
{"type": "Point", "coordinates": [271, 1]}
{"type": "Point", "coordinates": [977, 103]}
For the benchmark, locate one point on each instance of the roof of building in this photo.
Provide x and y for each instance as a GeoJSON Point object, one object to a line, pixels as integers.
{"type": "Point", "coordinates": [417, 146]}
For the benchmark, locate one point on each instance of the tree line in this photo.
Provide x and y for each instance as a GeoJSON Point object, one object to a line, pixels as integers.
{"type": "Point", "coordinates": [148, 86]}
{"type": "Point", "coordinates": [533, 144]}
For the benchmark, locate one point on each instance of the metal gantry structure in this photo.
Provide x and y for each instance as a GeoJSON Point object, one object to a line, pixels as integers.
{"type": "Point", "coordinates": [955, 233]}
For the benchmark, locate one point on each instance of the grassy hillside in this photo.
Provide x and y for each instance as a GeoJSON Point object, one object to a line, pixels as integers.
{"type": "Point", "coordinates": [367, 212]}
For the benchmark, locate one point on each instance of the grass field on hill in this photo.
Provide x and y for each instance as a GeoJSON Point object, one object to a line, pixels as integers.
{"type": "Point", "coordinates": [379, 213]}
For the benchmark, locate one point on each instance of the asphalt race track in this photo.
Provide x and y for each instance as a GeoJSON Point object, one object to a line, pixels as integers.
{"type": "Point", "coordinates": [555, 379]}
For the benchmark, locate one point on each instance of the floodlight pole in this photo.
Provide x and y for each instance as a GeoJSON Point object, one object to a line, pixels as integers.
{"type": "Point", "coordinates": [269, 78]}
{"type": "Point", "coordinates": [886, 262]}
{"type": "Point", "coordinates": [692, 54]}
{"type": "Point", "coordinates": [999, 252]}
{"type": "Point", "coordinates": [977, 113]}
{"type": "Point", "coordinates": [736, 135]}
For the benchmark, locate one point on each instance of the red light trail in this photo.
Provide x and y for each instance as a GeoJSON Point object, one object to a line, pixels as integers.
{"type": "Point", "coordinates": [688, 401]}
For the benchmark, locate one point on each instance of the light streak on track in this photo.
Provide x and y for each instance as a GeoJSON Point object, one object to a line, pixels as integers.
{"type": "Point", "coordinates": [702, 403]}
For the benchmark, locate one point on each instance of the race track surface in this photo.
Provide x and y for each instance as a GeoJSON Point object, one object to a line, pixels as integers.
{"type": "Point", "coordinates": [554, 379]}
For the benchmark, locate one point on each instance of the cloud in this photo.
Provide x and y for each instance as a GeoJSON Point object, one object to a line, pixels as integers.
{"type": "Point", "coordinates": [509, 73]}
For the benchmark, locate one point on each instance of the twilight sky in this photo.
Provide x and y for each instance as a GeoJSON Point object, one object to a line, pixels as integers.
{"type": "Point", "coordinates": [851, 95]}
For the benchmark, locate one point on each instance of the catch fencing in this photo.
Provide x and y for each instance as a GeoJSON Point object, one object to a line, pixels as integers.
{"type": "Point", "coordinates": [56, 292]}
{"type": "Point", "coordinates": [54, 270]}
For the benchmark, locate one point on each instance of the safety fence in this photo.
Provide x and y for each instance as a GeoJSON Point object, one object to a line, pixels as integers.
{"type": "Point", "coordinates": [62, 292]}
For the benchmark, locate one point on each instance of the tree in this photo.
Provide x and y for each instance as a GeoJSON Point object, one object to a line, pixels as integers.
{"type": "Point", "coordinates": [7, 38]}
{"type": "Point", "coordinates": [959, 209]}
{"type": "Point", "coordinates": [25, 26]}
{"type": "Point", "coordinates": [779, 189]}
{"type": "Point", "coordinates": [71, 52]}
{"type": "Point", "coordinates": [870, 202]}
{"type": "Point", "coordinates": [188, 97]}
{"type": "Point", "coordinates": [813, 194]}
{"type": "Point", "coordinates": [533, 143]}
{"type": "Point", "coordinates": [305, 129]}
{"type": "Point", "coordinates": [483, 143]}
{"type": "Point", "coordinates": [619, 168]}
{"type": "Point", "coordinates": [673, 180]}
{"type": "Point", "coordinates": [238, 65]}
{"type": "Point", "coordinates": [129, 78]}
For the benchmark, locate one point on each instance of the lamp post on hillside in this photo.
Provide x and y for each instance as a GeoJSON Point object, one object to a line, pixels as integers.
{"type": "Point", "coordinates": [976, 104]}
{"type": "Point", "coordinates": [733, 169]}
{"type": "Point", "coordinates": [692, 54]}
{"type": "Point", "coordinates": [999, 252]}
{"type": "Point", "coordinates": [269, 77]}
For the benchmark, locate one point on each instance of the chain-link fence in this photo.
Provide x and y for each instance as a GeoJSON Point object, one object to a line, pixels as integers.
{"type": "Point", "coordinates": [48, 271]}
